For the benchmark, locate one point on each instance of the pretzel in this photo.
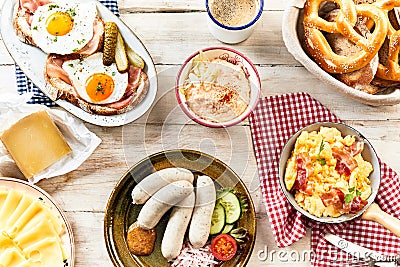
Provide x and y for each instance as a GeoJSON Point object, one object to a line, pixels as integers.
{"type": "Point", "coordinates": [392, 69]}
{"type": "Point", "coordinates": [346, 19]}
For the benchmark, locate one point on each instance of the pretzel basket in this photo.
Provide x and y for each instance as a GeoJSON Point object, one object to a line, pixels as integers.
{"type": "Point", "coordinates": [293, 36]}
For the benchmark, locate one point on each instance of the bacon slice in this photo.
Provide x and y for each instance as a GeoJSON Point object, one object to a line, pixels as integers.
{"type": "Point", "coordinates": [345, 162]}
{"type": "Point", "coordinates": [356, 148]}
{"type": "Point", "coordinates": [357, 204]}
{"type": "Point", "coordinates": [304, 169]}
{"type": "Point", "coordinates": [334, 197]}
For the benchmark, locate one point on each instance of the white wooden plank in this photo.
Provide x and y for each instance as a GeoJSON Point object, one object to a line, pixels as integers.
{"type": "Point", "coordinates": [127, 6]}
{"type": "Point", "coordinates": [176, 39]}
{"type": "Point", "coordinates": [90, 248]}
{"type": "Point", "coordinates": [266, 253]}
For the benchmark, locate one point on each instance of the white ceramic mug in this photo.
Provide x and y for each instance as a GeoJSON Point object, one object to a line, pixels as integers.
{"type": "Point", "coordinates": [232, 34]}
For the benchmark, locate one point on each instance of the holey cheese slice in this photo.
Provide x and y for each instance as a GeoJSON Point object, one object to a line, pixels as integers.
{"type": "Point", "coordinates": [35, 143]}
{"type": "Point", "coordinates": [30, 232]}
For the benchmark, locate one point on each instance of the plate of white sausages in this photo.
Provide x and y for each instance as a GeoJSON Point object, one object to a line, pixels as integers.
{"type": "Point", "coordinates": [165, 202]}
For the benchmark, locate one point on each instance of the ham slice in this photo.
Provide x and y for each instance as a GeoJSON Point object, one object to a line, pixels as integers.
{"type": "Point", "coordinates": [32, 5]}
{"type": "Point", "coordinates": [97, 40]}
{"type": "Point", "coordinates": [345, 162]}
{"type": "Point", "coordinates": [54, 67]}
{"type": "Point", "coordinates": [130, 92]}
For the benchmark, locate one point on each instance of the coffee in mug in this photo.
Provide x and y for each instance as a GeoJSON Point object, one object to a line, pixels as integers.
{"type": "Point", "coordinates": [233, 21]}
{"type": "Point", "coordinates": [234, 12]}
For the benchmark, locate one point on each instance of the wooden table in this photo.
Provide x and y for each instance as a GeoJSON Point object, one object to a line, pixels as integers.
{"type": "Point", "coordinates": [172, 30]}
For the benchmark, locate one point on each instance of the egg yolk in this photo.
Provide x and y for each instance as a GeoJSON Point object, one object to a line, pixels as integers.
{"type": "Point", "coordinates": [59, 23]}
{"type": "Point", "coordinates": [99, 86]}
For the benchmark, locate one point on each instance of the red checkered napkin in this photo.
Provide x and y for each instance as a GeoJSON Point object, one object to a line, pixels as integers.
{"type": "Point", "coordinates": [273, 122]}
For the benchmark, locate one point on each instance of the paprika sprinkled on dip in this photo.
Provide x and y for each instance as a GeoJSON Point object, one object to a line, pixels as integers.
{"type": "Point", "coordinates": [216, 89]}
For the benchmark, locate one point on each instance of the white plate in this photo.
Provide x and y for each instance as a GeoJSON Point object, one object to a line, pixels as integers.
{"type": "Point", "coordinates": [32, 61]}
{"type": "Point", "coordinates": [292, 41]}
{"type": "Point", "coordinates": [67, 239]}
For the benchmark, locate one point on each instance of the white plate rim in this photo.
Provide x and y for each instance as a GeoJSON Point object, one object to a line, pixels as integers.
{"type": "Point", "coordinates": [35, 191]}
{"type": "Point", "coordinates": [28, 58]}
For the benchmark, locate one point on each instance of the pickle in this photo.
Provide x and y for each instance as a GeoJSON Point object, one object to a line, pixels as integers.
{"type": "Point", "coordinates": [120, 55]}
{"type": "Point", "coordinates": [134, 58]}
{"type": "Point", "coordinates": [110, 42]}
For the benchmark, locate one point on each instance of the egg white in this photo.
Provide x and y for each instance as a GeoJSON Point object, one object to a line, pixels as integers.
{"type": "Point", "coordinates": [80, 70]}
{"type": "Point", "coordinates": [83, 15]}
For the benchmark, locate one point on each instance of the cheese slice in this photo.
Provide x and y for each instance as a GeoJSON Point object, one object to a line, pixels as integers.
{"type": "Point", "coordinates": [3, 196]}
{"type": "Point", "coordinates": [30, 232]}
{"type": "Point", "coordinates": [47, 252]}
{"type": "Point", "coordinates": [10, 204]}
{"type": "Point", "coordinates": [35, 143]}
{"type": "Point", "coordinates": [48, 215]}
{"type": "Point", "coordinates": [11, 257]}
{"type": "Point", "coordinates": [5, 243]}
{"type": "Point", "coordinates": [23, 204]}
{"type": "Point", "coordinates": [43, 230]}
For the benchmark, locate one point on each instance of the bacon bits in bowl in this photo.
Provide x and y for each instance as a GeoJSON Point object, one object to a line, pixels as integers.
{"type": "Point", "coordinates": [329, 172]}
{"type": "Point", "coordinates": [218, 87]}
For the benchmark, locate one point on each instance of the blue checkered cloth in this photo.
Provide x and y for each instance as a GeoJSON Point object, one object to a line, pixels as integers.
{"type": "Point", "coordinates": [25, 85]}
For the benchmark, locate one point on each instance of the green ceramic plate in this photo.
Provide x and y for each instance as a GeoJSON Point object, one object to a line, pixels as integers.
{"type": "Point", "coordinates": [121, 213]}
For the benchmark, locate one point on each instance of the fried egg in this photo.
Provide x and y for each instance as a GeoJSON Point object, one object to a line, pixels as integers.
{"type": "Point", "coordinates": [63, 28]}
{"type": "Point", "coordinates": [95, 82]}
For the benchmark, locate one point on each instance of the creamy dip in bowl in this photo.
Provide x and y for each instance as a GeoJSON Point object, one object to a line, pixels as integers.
{"type": "Point", "coordinates": [218, 87]}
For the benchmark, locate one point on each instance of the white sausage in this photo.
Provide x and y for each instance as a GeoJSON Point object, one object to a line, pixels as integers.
{"type": "Point", "coordinates": [161, 202]}
{"type": "Point", "coordinates": [178, 222]}
{"type": "Point", "coordinates": [199, 229]}
{"type": "Point", "coordinates": [157, 180]}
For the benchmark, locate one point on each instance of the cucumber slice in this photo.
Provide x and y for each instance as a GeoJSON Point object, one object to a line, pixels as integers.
{"type": "Point", "coordinates": [227, 228]}
{"type": "Point", "coordinates": [231, 204]}
{"type": "Point", "coordinates": [217, 220]}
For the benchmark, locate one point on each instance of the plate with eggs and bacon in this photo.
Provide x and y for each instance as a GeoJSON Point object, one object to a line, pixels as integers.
{"type": "Point", "coordinates": [81, 56]}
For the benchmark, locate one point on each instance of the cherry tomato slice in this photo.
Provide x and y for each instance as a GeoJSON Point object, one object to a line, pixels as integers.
{"type": "Point", "coordinates": [223, 247]}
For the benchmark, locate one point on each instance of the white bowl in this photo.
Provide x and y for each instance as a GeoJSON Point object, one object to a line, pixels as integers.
{"type": "Point", "coordinates": [234, 57]}
{"type": "Point", "coordinates": [294, 41]}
